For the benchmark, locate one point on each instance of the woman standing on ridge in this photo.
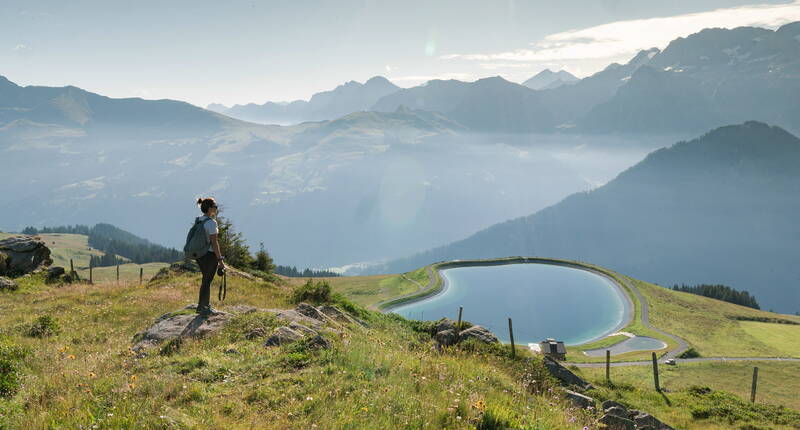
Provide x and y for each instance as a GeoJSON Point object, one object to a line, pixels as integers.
{"type": "Point", "coordinates": [211, 260]}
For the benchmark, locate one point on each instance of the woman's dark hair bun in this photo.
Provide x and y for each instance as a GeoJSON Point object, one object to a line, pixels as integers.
{"type": "Point", "coordinates": [206, 203]}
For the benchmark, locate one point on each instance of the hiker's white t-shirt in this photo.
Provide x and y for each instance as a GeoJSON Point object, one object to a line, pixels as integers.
{"type": "Point", "coordinates": [210, 227]}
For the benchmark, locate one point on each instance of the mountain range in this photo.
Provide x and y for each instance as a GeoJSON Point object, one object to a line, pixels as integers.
{"type": "Point", "coordinates": [721, 208]}
{"type": "Point", "coordinates": [344, 99]}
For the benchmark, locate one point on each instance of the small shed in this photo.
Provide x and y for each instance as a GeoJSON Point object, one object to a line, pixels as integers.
{"type": "Point", "coordinates": [553, 348]}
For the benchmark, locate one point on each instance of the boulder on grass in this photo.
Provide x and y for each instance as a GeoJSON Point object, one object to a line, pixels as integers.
{"type": "Point", "coordinates": [181, 324]}
{"type": "Point", "coordinates": [579, 400]}
{"type": "Point", "coordinates": [7, 284]}
{"type": "Point", "coordinates": [282, 336]}
{"type": "Point", "coordinates": [479, 333]}
{"type": "Point", "coordinates": [446, 337]}
{"type": "Point", "coordinates": [614, 422]}
{"type": "Point", "coordinates": [24, 254]}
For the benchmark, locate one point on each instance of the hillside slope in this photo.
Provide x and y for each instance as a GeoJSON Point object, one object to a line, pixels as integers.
{"type": "Point", "coordinates": [718, 209]}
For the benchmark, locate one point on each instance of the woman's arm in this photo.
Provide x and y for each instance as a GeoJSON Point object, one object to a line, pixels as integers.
{"type": "Point", "coordinates": [215, 246]}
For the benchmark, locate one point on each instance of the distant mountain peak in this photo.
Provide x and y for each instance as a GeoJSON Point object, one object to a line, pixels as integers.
{"type": "Point", "coordinates": [548, 79]}
{"type": "Point", "coordinates": [378, 80]}
{"type": "Point", "coordinates": [644, 56]}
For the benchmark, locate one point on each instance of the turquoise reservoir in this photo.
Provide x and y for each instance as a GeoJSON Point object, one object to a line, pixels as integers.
{"type": "Point", "coordinates": [571, 305]}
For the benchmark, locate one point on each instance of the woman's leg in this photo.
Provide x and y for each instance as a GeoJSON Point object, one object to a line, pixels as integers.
{"type": "Point", "coordinates": [208, 267]}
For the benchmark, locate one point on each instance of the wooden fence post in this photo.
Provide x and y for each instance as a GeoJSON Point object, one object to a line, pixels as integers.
{"type": "Point", "coordinates": [458, 325]}
{"type": "Point", "coordinates": [511, 334]}
{"type": "Point", "coordinates": [90, 271]}
{"type": "Point", "coordinates": [141, 275]}
{"type": "Point", "coordinates": [118, 273]}
{"type": "Point", "coordinates": [71, 267]}
{"type": "Point", "coordinates": [755, 383]}
{"type": "Point", "coordinates": [608, 366]}
{"type": "Point", "coordinates": [655, 372]}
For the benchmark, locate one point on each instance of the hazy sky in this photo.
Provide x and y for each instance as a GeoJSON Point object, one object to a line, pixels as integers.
{"type": "Point", "coordinates": [254, 51]}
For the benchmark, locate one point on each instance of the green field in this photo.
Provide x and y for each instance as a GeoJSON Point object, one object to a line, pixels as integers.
{"type": "Point", "coordinates": [711, 327]}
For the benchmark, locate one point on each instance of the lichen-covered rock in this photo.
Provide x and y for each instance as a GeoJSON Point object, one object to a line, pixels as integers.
{"type": "Point", "coordinates": [311, 312]}
{"type": "Point", "coordinates": [256, 333]}
{"type": "Point", "coordinates": [181, 324]}
{"type": "Point", "coordinates": [319, 342]}
{"type": "Point", "coordinates": [643, 419]}
{"type": "Point", "coordinates": [7, 284]}
{"type": "Point", "coordinates": [614, 422]}
{"type": "Point", "coordinates": [565, 375]}
{"type": "Point", "coordinates": [24, 254]}
{"type": "Point", "coordinates": [282, 335]}
{"type": "Point", "coordinates": [300, 328]}
{"type": "Point", "coordinates": [478, 333]}
{"type": "Point", "coordinates": [446, 337]}
{"type": "Point", "coordinates": [617, 411]}
{"type": "Point", "coordinates": [443, 324]}
{"type": "Point", "coordinates": [579, 400]}
{"type": "Point", "coordinates": [610, 403]}
{"type": "Point", "coordinates": [337, 315]}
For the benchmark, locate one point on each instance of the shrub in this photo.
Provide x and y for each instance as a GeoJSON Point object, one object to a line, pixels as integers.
{"type": "Point", "coordinates": [689, 353]}
{"type": "Point", "coordinates": [10, 356]}
{"type": "Point", "coordinates": [44, 326]}
{"type": "Point", "coordinates": [313, 292]}
{"type": "Point", "coordinates": [3, 265]}
{"type": "Point", "coordinates": [9, 381]}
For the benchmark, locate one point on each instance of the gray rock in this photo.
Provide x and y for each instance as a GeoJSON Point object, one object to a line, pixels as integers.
{"type": "Point", "coordinates": [291, 315]}
{"type": "Point", "coordinates": [319, 342]}
{"type": "Point", "coordinates": [300, 328]}
{"type": "Point", "coordinates": [24, 254]}
{"type": "Point", "coordinates": [256, 333]}
{"type": "Point", "coordinates": [311, 312]}
{"type": "Point", "coordinates": [565, 375]}
{"type": "Point", "coordinates": [446, 337]}
{"type": "Point", "coordinates": [643, 419]}
{"type": "Point", "coordinates": [610, 403]}
{"type": "Point", "coordinates": [242, 309]}
{"type": "Point", "coordinates": [618, 411]}
{"type": "Point", "coordinates": [337, 315]}
{"type": "Point", "coordinates": [444, 324]}
{"type": "Point", "coordinates": [55, 272]}
{"type": "Point", "coordinates": [181, 324]}
{"type": "Point", "coordinates": [579, 399]}
{"type": "Point", "coordinates": [614, 422]}
{"type": "Point", "coordinates": [7, 284]}
{"type": "Point", "coordinates": [479, 333]}
{"type": "Point", "coordinates": [282, 336]}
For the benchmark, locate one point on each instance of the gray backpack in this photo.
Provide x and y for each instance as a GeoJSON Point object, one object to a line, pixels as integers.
{"type": "Point", "coordinates": [197, 240]}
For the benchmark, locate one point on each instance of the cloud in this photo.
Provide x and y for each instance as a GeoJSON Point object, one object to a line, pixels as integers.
{"type": "Point", "coordinates": [622, 39]}
{"type": "Point", "coordinates": [21, 48]}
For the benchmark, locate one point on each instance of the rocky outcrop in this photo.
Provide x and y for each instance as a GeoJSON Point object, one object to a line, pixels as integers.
{"type": "Point", "coordinates": [565, 375]}
{"type": "Point", "coordinates": [282, 336]}
{"type": "Point", "coordinates": [580, 400]}
{"type": "Point", "coordinates": [478, 333]}
{"type": "Point", "coordinates": [7, 284]}
{"type": "Point", "coordinates": [444, 332]}
{"type": "Point", "coordinates": [181, 324]}
{"type": "Point", "coordinates": [617, 416]}
{"type": "Point", "coordinates": [186, 323]}
{"type": "Point", "coordinates": [23, 254]}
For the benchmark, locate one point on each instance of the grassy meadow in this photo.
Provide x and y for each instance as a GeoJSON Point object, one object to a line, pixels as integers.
{"type": "Point", "coordinates": [82, 373]}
